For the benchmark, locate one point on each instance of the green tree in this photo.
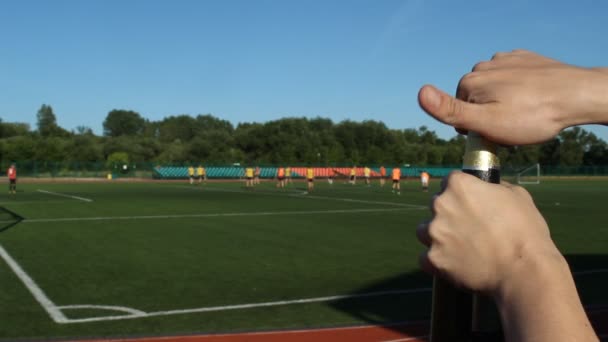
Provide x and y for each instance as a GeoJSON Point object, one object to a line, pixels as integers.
{"type": "Point", "coordinates": [47, 122]}
{"type": "Point", "coordinates": [123, 122]}
{"type": "Point", "coordinates": [14, 129]}
{"type": "Point", "coordinates": [117, 159]}
{"type": "Point", "coordinates": [571, 147]}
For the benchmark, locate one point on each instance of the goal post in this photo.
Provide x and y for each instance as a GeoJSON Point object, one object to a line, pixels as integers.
{"type": "Point", "coordinates": [529, 175]}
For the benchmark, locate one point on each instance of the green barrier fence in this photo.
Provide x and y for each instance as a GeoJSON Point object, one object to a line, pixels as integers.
{"type": "Point", "coordinates": [150, 170]}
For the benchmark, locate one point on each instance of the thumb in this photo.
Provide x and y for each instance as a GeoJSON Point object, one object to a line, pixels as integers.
{"type": "Point", "coordinates": [448, 109]}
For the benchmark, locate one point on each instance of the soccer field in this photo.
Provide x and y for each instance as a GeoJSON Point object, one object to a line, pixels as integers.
{"type": "Point", "coordinates": [132, 259]}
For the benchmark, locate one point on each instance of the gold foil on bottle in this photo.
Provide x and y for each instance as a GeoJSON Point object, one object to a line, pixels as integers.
{"type": "Point", "coordinates": [480, 154]}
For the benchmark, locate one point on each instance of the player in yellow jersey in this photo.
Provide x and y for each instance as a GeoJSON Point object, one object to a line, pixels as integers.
{"type": "Point", "coordinates": [367, 173]}
{"type": "Point", "coordinates": [191, 174]}
{"type": "Point", "coordinates": [353, 175]}
{"type": "Point", "coordinates": [382, 175]}
{"type": "Point", "coordinates": [201, 174]}
{"type": "Point", "coordinates": [249, 177]}
{"type": "Point", "coordinates": [288, 175]}
{"type": "Point", "coordinates": [310, 177]}
{"type": "Point", "coordinates": [396, 175]}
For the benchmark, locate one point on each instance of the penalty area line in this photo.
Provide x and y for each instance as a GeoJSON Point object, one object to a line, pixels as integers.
{"type": "Point", "coordinates": [34, 289]}
{"type": "Point", "coordinates": [248, 306]}
{"type": "Point", "coordinates": [64, 195]}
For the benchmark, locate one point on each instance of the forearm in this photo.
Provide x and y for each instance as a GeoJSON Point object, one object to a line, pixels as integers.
{"type": "Point", "coordinates": [590, 89]}
{"type": "Point", "coordinates": [543, 304]}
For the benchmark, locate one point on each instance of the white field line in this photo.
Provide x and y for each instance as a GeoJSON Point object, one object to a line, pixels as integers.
{"type": "Point", "coordinates": [406, 205]}
{"type": "Point", "coordinates": [303, 194]}
{"type": "Point", "coordinates": [134, 313]}
{"type": "Point", "coordinates": [56, 314]}
{"type": "Point", "coordinates": [141, 314]}
{"type": "Point", "coordinates": [158, 217]}
{"type": "Point", "coordinates": [64, 195]}
{"type": "Point", "coordinates": [32, 202]}
{"type": "Point", "coordinates": [34, 289]}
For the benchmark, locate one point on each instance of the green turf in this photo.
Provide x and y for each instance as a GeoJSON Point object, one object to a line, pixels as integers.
{"type": "Point", "coordinates": [159, 247]}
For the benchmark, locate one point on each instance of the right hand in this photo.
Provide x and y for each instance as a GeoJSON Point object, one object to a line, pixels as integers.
{"type": "Point", "coordinates": [484, 236]}
{"type": "Point", "coordinates": [520, 98]}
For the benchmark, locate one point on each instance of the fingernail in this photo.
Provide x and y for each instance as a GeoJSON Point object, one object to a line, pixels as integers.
{"type": "Point", "coordinates": [432, 98]}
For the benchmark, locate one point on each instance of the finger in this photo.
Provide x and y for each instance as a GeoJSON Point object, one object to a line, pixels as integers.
{"type": "Point", "coordinates": [426, 264]}
{"type": "Point", "coordinates": [462, 131]}
{"type": "Point", "coordinates": [422, 233]}
{"type": "Point", "coordinates": [448, 109]}
{"type": "Point", "coordinates": [432, 205]}
{"type": "Point", "coordinates": [505, 183]}
{"type": "Point", "coordinates": [446, 180]}
{"type": "Point", "coordinates": [483, 66]}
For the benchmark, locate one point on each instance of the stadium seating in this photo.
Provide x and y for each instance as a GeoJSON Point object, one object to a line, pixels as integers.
{"type": "Point", "coordinates": [181, 172]}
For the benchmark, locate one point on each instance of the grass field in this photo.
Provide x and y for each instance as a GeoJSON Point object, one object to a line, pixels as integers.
{"type": "Point", "coordinates": [133, 259]}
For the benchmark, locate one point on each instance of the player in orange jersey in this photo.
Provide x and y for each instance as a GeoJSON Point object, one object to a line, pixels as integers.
{"type": "Point", "coordinates": [396, 175]}
{"type": "Point", "coordinates": [281, 177]}
{"type": "Point", "coordinates": [382, 175]}
{"type": "Point", "coordinates": [424, 180]}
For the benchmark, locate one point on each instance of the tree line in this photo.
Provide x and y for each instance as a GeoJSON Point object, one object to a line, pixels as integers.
{"type": "Point", "coordinates": [129, 137]}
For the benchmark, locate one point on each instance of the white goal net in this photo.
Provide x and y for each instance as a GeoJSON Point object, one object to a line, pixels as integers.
{"type": "Point", "coordinates": [529, 175]}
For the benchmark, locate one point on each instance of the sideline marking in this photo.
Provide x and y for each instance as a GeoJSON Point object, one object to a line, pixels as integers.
{"type": "Point", "coordinates": [155, 217]}
{"type": "Point", "coordinates": [34, 289]}
{"type": "Point", "coordinates": [64, 195]}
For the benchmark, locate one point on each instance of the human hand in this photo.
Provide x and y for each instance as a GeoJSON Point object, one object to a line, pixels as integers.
{"type": "Point", "coordinates": [520, 98]}
{"type": "Point", "coordinates": [484, 236]}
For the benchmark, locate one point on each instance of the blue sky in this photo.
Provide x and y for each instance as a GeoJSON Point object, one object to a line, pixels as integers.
{"type": "Point", "coordinates": [259, 60]}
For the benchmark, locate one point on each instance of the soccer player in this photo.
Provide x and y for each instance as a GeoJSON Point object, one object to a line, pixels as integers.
{"type": "Point", "coordinates": [12, 179]}
{"type": "Point", "coordinates": [249, 177]}
{"type": "Point", "coordinates": [382, 175]}
{"type": "Point", "coordinates": [353, 175]}
{"type": "Point", "coordinates": [367, 172]}
{"type": "Point", "coordinates": [191, 174]}
{"type": "Point", "coordinates": [288, 175]}
{"type": "Point", "coordinates": [281, 177]}
{"type": "Point", "coordinates": [256, 175]}
{"type": "Point", "coordinates": [396, 175]}
{"type": "Point", "coordinates": [424, 180]}
{"type": "Point", "coordinates": [310, 177]}
{"type": "Point", "coordinates": [201, 174]}
{"type": "Point", "coordinates": [330, 176]}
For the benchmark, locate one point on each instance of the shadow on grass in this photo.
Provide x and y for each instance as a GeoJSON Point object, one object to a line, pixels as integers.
{"type": "Point", "coordinates": [414, 303]}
